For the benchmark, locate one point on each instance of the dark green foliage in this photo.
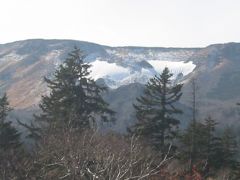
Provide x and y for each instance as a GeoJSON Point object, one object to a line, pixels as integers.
{"type": "Point", "coordinates": [34, 131]}
{"type": "Point", "coordinates": [212, 144]}
{"type": "Point", "coordinates": [212, 147]}
{"type": "Point", "coordinates": [207, 146]}
{"type": "Point", "coordinates": [155, 111]}
{"type": "Point", "coordinates": [4, 108]}
{"type": "Point", "coordinates": [198, 132]}
{"type": "Point", "coordinates": [212, 152]}
{"type": "Point", "coordinates": [229, 148]}
{"type": "Point", "coordinates": [75, 99]}
{"type": "Point", "coordinates": [10, 145]}
{"type": "Point", "coordinates": [228, 156]}
{"type": "Point", "coordinates": [9, 136]}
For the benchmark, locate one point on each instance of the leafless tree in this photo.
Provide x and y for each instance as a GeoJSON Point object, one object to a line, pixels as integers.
{"type": "Point", "coordinates": [95, 156]}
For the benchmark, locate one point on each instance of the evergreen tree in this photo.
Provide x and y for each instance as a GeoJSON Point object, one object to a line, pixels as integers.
{"type": "Point", "coordinates": [207, 152]}
{"type": "Point", "coordinates": [212, 152]}
{"type": "Point", "coordinates": [213, 149]}
{"type": "Point", "coordinates": [9, 136]}
{"type": "Point", "coordinates": [10, 145]}
{"type": "Point", "coordinates": [75, 99]}
{"type": "Point", "coordinates": [196, 130]}
{"type": "Point", "coordinates": [193, 125]}
{"type": "Point", "coordinates": [225, 152]}
{"type": "Point", "coordinates": [155, 111]}
{"type": "Point", "coordinates": [229, 148]}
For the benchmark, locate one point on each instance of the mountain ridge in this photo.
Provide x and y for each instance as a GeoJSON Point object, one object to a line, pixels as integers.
{"type": "Point", "coordinates": [23, 64]}
{"type": "Point", "coordinates": [134, 46]}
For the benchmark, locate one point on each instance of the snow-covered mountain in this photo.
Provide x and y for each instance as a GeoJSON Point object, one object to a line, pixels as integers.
{"type": "Point", "coordinates": [116, 75]}
{"type": "Point", "coordinates": [23, 64]}
{"type": "Point", "coordinates": [125, 65]}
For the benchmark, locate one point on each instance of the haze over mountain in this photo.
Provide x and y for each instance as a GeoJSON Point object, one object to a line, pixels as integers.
{"type": "Point", "coordinates": [125, 70]}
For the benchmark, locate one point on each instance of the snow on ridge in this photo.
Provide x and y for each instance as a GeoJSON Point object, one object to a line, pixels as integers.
{"type": "Point", "coordinates": [53, 57]}
{"type": "Point", "coordinates": [101, 69]}
{"type": "Point", "coordinates": [116, 75]}
{"type": "Point", "coordinates": [174, 67]}
{"type": "Point", "coordinates": [154, 54]}
{"type": "Point", "coordinates": [138, 76]}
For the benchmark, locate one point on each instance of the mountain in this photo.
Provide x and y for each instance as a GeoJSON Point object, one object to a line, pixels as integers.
{"type": "Point", "coordinates": [23, 65]}
{"type": "Point", "coordinates": [218, 76]}
{"type": "Point", "coordinates": [125, 70]}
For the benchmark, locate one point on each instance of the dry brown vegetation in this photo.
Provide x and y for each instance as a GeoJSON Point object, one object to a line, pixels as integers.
{"type": "Point", "coordinates": [91, 155]}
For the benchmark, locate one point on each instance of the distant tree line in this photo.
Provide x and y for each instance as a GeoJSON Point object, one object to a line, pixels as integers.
{"type": "Point", "coordinates": [68, 144]}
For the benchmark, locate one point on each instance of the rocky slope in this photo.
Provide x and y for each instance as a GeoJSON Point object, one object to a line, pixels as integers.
{"type": "Point", "coordinates": [23, 65]}
{"type": "Point", "coordinates": [218, 76]}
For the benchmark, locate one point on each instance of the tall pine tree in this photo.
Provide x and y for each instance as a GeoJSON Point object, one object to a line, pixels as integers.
{"type": "Point", "coordinates": [229, 148]}
{"type": "Point", "coordinates": [10, 144]}
{"type": "Point", "coordinates": [9, 136]}
{"type": "Point", "coordinates": [212, 152]}
{"type": "Point", "coordinates": [155, 111]}
{"type": "Point", "coordinates": [198, 131]}
{"type": "Point", "coordinates": [75, 99]}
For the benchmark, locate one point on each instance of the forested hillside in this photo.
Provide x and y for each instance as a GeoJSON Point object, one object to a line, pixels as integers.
{"type": "Point", "coordinates": [75, 132]}
{"type": "Point", "coordinates": [124, 70]}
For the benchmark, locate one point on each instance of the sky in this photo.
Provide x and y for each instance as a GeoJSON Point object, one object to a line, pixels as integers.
{"type": "Point", "coordinates": [162, 23]}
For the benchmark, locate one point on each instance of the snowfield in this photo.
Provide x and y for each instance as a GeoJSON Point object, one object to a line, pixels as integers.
{"type": "Point", "coordinates": [101, 69]}
{"type": "Point", "coordinates": [174, 67]}
{"type": "Point", "coordinates": [116, 75]}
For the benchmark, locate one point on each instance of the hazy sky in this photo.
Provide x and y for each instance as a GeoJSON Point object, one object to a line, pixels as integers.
{"type": "Point", "coordinates": [184, 23]}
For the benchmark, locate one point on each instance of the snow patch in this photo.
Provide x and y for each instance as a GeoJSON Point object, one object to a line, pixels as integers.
{"type": "Point", "coordinates": [174, 67]}
{"type": "Point", "coordinates": [116, 75]}
{"type": "Point", "coordinates": [101, 69]}
{"type": "Point", "coordinates": [53, 57]}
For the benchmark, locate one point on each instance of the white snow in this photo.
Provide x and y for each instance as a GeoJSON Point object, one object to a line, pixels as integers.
{"type": "Point", "coordinates": [116, 75]}
{"type": "Point", "coordinates": [53, 57]}
{"type": "Point", "coordinates": [101, 69]}
{"type": "Point", "coordinates": [141, 77]}
{"type": "Point", "coordinates": [174, 67]}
